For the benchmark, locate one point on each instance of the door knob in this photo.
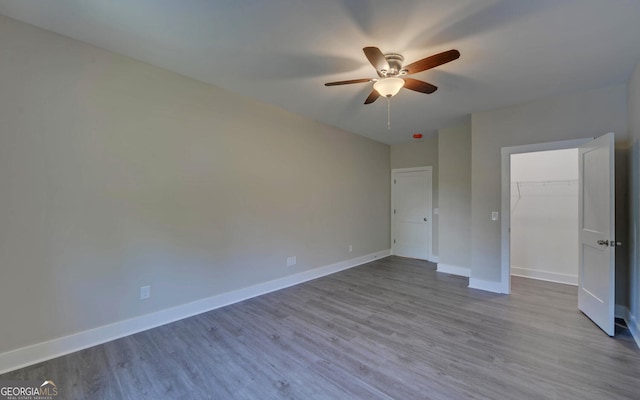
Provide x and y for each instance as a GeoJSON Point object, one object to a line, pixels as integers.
{"type": "Point", "coordinates": [603, 242]}
{"type": "Point", "coordinates": [425, 219]}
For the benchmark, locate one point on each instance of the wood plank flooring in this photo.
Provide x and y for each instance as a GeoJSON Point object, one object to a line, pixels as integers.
{"type": "Point", "coordinates": [390, 329]}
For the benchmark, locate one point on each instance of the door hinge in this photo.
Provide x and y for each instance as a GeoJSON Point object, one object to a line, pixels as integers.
{"type": "Point", "coordinates": [394, 181]}
{"type": "Point", "coordinates": [394, 210]}
{"type": "Point", "coordinates": [394, 241]}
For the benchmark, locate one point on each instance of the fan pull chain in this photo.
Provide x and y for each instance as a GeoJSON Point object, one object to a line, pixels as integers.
{"type": "Point", "coordinates": [389, 113]}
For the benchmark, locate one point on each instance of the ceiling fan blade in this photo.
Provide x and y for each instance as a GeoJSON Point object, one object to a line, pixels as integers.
{"type": "Point", "coordinates": [348, 82]}
{"type": "Point", "coordinates": [432, 62]}
{"type": "Point", "coordinates": [376, 58]}
{"type": "Point", "coordinates": [372, 97]}
{"type": "Point", "coordinates": [419, 86]}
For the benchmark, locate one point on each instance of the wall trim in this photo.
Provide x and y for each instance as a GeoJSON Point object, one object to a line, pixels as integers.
{"type": "Point", "coordinates": [57, 347]}
{"type": "Point", "coordinates": [544, 275]}
{"type": "Point", "coordinates": [454, 270]}
{"type": "Point", "coordinates": [489, 286]}
{"type": "Point", "coordinates": [434, 259]}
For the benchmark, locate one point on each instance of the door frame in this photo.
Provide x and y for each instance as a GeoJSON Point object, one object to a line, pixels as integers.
{"type": "Point", "coordinates": [505, 206]}
{"type": "Point", "coordinates": [428, 169]}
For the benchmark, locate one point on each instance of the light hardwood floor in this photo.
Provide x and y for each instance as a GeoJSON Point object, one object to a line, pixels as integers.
{"type": "Point", "coordinates": [390, 329]}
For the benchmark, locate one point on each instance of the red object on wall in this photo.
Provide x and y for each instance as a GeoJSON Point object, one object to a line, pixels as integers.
{"type": "Point", "coordinates": [417, 135]}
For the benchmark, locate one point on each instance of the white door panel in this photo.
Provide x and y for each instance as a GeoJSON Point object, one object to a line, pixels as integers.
{"type": "Point", "coordinates": [411, 214]}
{"type": "Point", "coordinates": [596, 290]}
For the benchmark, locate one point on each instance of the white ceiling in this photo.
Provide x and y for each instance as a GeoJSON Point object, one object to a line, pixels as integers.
{"type": "Point", "coordinates": [282, 51]}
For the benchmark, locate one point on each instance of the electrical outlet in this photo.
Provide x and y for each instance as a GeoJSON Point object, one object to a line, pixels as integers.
{"type": "Point", "coordinates": [145, 292]}
{"type": "Point", "coordinates": [350, 248]}
{"type": "Point", "coordinates": [291, 261]}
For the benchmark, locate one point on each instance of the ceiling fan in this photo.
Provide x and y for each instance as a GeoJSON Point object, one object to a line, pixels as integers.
{"type": "Point", "coordinates": [391, 73]}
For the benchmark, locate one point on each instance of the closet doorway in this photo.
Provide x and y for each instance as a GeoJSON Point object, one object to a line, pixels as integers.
{"type": "Point", "coordinates": [596, 226]}
{"type": "Point", "coordinates": [544, 215]}
{"type": "Point", "coordinates": [505, 220]}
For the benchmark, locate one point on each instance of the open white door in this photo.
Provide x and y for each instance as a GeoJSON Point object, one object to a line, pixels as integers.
{"type": "Point", "coordinates": [596, 276]}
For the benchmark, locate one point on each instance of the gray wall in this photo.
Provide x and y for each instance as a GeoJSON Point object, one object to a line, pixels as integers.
{"type": "Point", "coordinates": [634, 199]}
{"type": "Point", "coordinates": [580, 115]}
{"type": "Point", "coordinates": [422, 153]}
{"type": "Point", "coordinates": [116, 174]}
{"type": "Point", "coordinates": [454, 178]}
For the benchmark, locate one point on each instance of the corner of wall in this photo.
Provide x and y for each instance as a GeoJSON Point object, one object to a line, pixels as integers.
{"type": "Point", "coordinates": [633, 168]}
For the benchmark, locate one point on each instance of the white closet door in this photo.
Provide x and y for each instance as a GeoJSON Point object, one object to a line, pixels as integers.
{"type": "Point", "coordinates": [411, 214]}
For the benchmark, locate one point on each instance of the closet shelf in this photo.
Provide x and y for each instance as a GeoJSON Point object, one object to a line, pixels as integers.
{"type": "Point", "coordinates": [548, 188]}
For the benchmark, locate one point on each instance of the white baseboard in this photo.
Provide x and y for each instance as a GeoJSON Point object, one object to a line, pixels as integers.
{"type": "Point", "coordinates": [43, 351]}
{"type": "Point", "coordinates": [545, 275]}
{"type": "Point", "coordinates": [624, 313]}
{"type": "Point", "coordinates": [489, 286]}
{"type": "Point", "coordinates": [454, 270]}
{"type": "Point", "coordinates": [634, 327]}
{"type": "Point", "coordinates": [434, 259]}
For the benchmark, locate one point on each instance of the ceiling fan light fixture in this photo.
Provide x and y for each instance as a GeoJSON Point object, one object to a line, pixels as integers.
{"type": "Point", "coordinates": [388, 87]}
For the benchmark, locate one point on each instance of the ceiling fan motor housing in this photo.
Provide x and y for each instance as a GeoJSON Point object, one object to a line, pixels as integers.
{"type": "Point", "coordinates": [395, 61]}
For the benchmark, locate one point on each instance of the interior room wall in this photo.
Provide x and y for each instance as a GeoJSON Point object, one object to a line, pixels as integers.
{"type": "Point", "coordinates": [573, 116]}
{"type": "Point", "coordinates": [422, 153]}
{"type": "Point", "coordinates": [634, 202]}
{"type": "Point", "coordinates": [115, 174]}
{"type": "Point", "coordinates": [544, 215]}
{"type": "Point", "coordinates": [454, 177]}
